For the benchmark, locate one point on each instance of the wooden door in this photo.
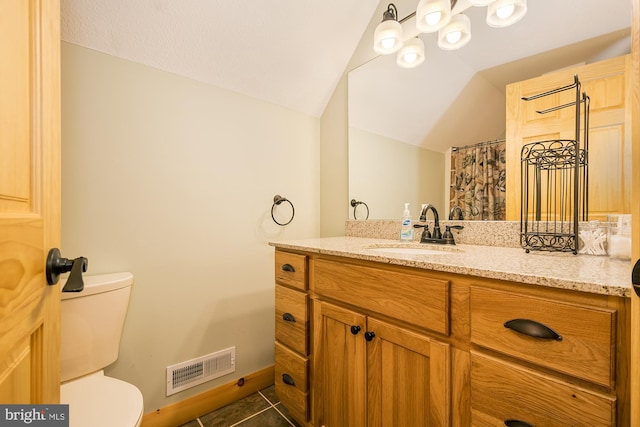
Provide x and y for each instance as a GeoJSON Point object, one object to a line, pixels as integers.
{"type": "Point", "coordinates": [606, 83]}
{"type": "Point", "coordinates": [29, 200]}
{"type": "Point", "coordinates": [340, 371]}
{"type": "Point", "coordinates": [408, 378]}
{"type": "Point", "coordinates": [635, 256]}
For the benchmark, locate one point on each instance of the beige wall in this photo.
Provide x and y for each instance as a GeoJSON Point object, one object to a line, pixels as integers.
{"type": "Point", "coordinates": [386, 173]}
{"type": "Point", "coordinates": [173, 180]}
{"type": "Point", "coordinates": [334, 164]}
{"type": "Point", "coordinates": [334, 142]}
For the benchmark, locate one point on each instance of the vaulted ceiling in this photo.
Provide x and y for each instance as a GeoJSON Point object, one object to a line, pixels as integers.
{"type": "Point", "coordinates": [293, 53]}
{"type": "Point", "coordinates": [288, 52]}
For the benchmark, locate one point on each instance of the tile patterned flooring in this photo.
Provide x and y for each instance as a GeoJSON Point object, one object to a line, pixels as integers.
{"type": "Point", "coordinates": [261, 409]}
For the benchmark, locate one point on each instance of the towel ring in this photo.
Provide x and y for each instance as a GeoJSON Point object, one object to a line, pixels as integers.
{"type": "Point", "coordinates": [277, 199]}
{"type": "Point", "coordinates": [355, 204]}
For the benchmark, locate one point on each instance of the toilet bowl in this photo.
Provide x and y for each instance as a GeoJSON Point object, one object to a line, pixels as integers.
{"type": "Point", "coordinates": [91, 326]}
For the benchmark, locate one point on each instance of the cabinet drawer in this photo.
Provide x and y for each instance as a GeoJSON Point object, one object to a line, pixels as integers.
{"type": "Point", "coordinates": [293, 396]}
{"type": "Point", "coordinates": [503, 391]}
{"type": "Point", "coordinates": [291, 269]}
{"type": "Point", "coordinates": [414, 298]}
{"type": "Point", "coordinates": [585, 350]}
{"type": "Point", "coordinates": [292, 319]}
{"type": "Point", "coordinates": [291, 368]}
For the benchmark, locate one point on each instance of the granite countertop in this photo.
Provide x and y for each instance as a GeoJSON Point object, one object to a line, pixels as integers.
{"type": "Point", "coordinates": [587, 273]}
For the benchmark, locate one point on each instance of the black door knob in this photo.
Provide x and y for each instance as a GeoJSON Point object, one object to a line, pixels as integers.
{"type": "Point", "coordinates": [369, 335]}
{"type": "Point", "coordinates": [355, 329]}
{"type": "Point", "coordinates": [56, 265]}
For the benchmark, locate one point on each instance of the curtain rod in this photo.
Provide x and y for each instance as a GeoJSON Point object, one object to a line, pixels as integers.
{"type": "Point", "coordinates": [495, 141]}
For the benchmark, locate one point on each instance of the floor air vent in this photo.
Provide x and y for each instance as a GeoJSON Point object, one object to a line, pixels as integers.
{"type": "Point", "coordinates": [199, 370]}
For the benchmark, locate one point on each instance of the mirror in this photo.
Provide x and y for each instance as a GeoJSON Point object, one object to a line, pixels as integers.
{"type": "Point", "coordinates": [403, 122]}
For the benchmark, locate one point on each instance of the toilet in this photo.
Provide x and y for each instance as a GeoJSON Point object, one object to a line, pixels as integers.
{"type": "Point", "coordinates": [91, 326]}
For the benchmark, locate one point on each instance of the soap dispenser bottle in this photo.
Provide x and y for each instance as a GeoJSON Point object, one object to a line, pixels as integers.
{"type": "Point", "coordinates": [406, 230]}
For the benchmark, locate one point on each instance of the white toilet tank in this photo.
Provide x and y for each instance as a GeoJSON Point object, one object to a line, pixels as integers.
{"type": "Point", "coordinates": [91, 324]}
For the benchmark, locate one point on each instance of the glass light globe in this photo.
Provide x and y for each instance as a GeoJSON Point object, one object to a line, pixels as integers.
{"type": "Point", "coordinates": [456, 33]}
{"type": "Point", "coordinates": [505, 11]}
{"type": "Point", "coordinates": [433, 18]}
{"type": "Point", "coordinates": [411, 54]}
{"type": "Point", "coordinates": [431, 15]}
{"type": "Point", "coordinates": [502, 13]}
{"type": "Point", "coordinates": [454, 37]}
{"type": "Point", "coordinates": [388, 42]}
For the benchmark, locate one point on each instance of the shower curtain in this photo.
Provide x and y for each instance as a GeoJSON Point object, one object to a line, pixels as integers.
{"type": "Point", "coordinates": [478, 178]}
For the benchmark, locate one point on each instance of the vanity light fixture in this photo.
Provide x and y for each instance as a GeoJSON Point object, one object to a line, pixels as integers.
{"type": "Point", "coordinates": [502, 13]}
{"type": "Point", "coordinates": [454, 31]}
{"type": "Point", "coordinates": [411, 54]}
{"type": "Point", "coordinates": [388, 35]}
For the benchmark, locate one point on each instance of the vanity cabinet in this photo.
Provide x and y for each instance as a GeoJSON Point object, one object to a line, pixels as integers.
{"type": "Point", "coordinates": [375, 364]}
{"type": "Point", "coordinates": [292, 334]}
{"type": "Point", "coordinates": [546, 362]}
{"type": "Point", "coordinates": [388, 346]}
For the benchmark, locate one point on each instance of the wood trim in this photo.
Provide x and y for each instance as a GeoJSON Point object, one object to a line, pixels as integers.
{"type": "Point", "coordinates": [192, 407]}
{"type": "Point", "coordinates": [635, 206]}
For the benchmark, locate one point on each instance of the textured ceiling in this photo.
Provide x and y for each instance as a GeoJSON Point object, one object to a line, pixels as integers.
{"type": "Point", "coordinates": [288, 52]}
{"type": "Point", "coordinates": [292, 53]}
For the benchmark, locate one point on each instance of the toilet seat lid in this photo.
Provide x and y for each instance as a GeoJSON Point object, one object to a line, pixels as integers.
{"type": "Point", "coordinates": [101, 401]}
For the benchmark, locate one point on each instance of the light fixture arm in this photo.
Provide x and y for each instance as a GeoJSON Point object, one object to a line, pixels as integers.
{"type": "Point", "coordinates": [391, 13]}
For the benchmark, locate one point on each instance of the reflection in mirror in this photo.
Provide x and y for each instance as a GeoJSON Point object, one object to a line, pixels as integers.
{"type": "Point", "coordinates": [403, 122]}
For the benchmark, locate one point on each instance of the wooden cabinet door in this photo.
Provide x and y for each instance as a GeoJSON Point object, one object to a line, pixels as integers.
{"type": "Point", "coordinates": [340, 371]}
{"type": "Point", "coordinates": [606, 83]}
{"type": "Point", "coordinates": [408, 378]}
{"type": "Point", "coordinates": [29, 200]}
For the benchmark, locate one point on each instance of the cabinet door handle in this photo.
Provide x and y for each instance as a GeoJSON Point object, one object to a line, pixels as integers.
{"type": "Point", "coordinates": [288, 317]}
{"type": "Point", "coordinates": [286, 378]}
{"type": "Point", "coordinates": [288, 267]}
{"type": "Point", "coordinates": [369, 335]}
{"type": "Point", "coordinates": [533, 329]}
{"type": "Point", "coordinates": [355, 329]}
{"type": "Point", "coordinates": [517, 423]}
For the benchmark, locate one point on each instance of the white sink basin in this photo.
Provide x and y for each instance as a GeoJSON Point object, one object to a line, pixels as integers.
{"type": "Point", "coordinates": [413, 250]}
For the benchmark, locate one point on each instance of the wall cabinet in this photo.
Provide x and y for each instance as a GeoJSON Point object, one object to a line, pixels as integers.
{"type": "Point", "coordinates": [382, 345]}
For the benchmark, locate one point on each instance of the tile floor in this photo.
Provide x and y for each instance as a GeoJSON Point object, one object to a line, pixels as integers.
{"type": "Point", "coordinates": [261, 409]}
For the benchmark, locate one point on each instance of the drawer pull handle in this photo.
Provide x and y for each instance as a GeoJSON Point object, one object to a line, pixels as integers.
{"type": "Point", "coordinates": [369, 336]}
{"type": "Point", "coordinates": [355, 329]}
{"type": "Point", "coordinates": [288, 267]}
{"type": "Point", "coordinates": [286, 378]}
{"type": "Point", "coordinates": [533, 329]}
{"type": "Point", "coordinates": [517, 423]}
{"type": "Point", "coordinates": [288, 317]}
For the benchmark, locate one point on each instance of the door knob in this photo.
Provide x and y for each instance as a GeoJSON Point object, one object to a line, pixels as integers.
{"type": "Point", "coordinates": [56, 265]}
{"type": "Point", "coordinates": [635, 277]}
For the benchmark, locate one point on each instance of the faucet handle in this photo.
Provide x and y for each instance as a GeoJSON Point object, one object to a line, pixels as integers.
{"type": "Point", "coordinates": [448, 235]}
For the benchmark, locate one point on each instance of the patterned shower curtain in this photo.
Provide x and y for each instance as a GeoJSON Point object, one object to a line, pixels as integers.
{"type": "Point", "coordinates": [478, 178]}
